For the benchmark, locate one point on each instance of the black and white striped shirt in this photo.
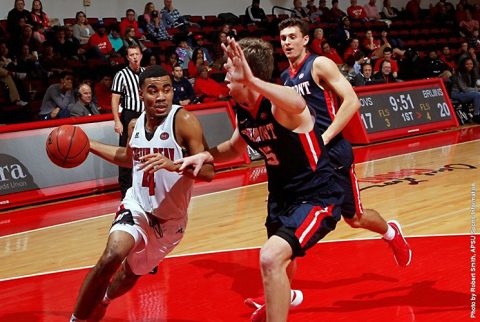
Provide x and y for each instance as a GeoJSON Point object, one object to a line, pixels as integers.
{"type": "Point", "coordinates": [126, 84]}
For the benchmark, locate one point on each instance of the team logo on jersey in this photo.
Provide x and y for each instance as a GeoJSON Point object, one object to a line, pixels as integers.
{"type": "Point", "coordinates": [263, 116]}
{"type": "Point", "coordinates": [137, 135]}
{"type": "Point", "coordinates": [164, 136]}
{"type": "Point", "coordinates": [301, 76]}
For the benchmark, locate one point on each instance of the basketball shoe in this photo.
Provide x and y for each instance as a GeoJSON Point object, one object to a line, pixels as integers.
{"type": "Point", "coordinates": [401, 251]}
{"type": "Point", "coordinates": [258, 302]}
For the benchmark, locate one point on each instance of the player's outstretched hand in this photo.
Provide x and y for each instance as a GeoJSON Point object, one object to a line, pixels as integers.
{"type": "Point", "coordinates": [153, 162]}
{"type": "Point", "coordinates": [239, 71]}
{"type": "Point", "coordinates": [195, 161]}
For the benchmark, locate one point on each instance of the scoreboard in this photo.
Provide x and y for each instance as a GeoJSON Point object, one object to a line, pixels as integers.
{"type": "Point", "coordinates": [401, 109]}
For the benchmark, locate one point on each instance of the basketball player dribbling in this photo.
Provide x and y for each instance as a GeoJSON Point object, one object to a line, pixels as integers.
{"type": "Point", "coordinates": [304, 197]}
{"type": "Point", "coordinates": [320, 82]}
{"type": "Point", "coordinates": [152, 217]}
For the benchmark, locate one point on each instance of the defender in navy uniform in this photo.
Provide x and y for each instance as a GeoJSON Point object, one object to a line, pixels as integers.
{"type": "Point", "coordinates": [322, 85]}
{"type": "Point", "coordinates": [303, 192]}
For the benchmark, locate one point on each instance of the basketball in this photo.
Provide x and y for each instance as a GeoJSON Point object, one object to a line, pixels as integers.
{"type": "Point", "coordinates": [67, 146]}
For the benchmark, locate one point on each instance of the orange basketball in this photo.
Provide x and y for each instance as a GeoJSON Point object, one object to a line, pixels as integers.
{"type": "Point", "coordinates": [67, 146]}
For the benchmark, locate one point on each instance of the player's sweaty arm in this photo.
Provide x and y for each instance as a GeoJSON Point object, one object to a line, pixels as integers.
{"type": "Point", "coordinates": [118, 155]}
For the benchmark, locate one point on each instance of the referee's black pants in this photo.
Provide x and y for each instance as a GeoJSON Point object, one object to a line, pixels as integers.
{"type": "Point", "coordinates": [125, 174]}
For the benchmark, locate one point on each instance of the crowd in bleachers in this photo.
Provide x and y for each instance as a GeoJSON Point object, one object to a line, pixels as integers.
{"type": "Point", "coordinates": [371, 43]}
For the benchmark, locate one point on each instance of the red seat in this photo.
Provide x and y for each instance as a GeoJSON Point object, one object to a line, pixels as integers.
{"type": "Point", "coordinates": [110, 21]}
{"type": "Point", "coordinates": [68, 21]}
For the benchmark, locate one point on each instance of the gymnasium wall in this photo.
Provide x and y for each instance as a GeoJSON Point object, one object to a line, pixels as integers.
{"type": "Point", "coordinates": [116, 8]}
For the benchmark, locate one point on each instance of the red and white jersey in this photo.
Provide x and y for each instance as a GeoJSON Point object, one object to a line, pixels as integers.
{"type": "Point", "coordinates": [165, 194]}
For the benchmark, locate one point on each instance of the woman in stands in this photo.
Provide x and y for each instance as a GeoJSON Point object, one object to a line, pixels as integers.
{"type": "Point", "coordinates": [38, 15]}
{"type": "Point", "coordinates": [144, 19]}
{"type": "Point", "coordinates": [466, 86]}
{"type": "Point", "coordinates": [82, 30]}
{"type": "Point", "coordinates": [129, 39]}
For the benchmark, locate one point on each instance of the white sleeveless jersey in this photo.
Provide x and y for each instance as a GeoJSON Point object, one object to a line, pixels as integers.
{"type": "Point", "coordinates": [165, 194]}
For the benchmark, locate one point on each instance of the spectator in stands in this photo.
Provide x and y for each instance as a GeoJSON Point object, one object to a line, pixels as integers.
{"type": "Point", "coordinates": [57, 98]}
{"type": "Point", "coordinates": [13, 95]}
{"type": "Point", "coordinates": [466, 86]}
{"type": "Point", "coordinates": [183, 93]}
{"type": "Point", "coordinates": [196, 64]}
{"type": "Point", "coordinates": [469, 25]}
{"type": "Point", "coordinates": [144, 19]}
{"type": "Point", "coordinates": [39, 35]}
{"type": "Point", "coordinates": [228, 30]}
{"type": "Point", "coordinates": [360, 59]}
{"type": "Point", "coordinates": [129, 39]}
{"type": "Point", "coordinates": [24, 38]}
{"type": "Point", "coordinates": [372, 13]}
{"type": "Point", "coordinates": [254, 14]}
{"type": "Point", "coordinates": [395, 43]}
{"type": "Point", "coordinates": [331, 53]}
{"type": "Point", "coordinates": [336, 14]}
{"type": "Point", "coordinates": [38, 15]}
{"type": "Point", "coordinates": [385, 73]}
{"type": "Point", "coordinates": [435, 67]}
{"type": "Point", "coordinates": [299, 11]}
{"type": "Point", "coordinates": [130, 21]}
{"type": "Point", "coordinates": [364, 77]}
{"type": "Point", "coordinates": [393, 66]}
{"type": "Point", "coordinates": [99, 44]}
{"type": "Point", "coordinates": [354, 48]}
{"type": "Point", "coordinates": [115, 39]}
{"type": "Point", "coordinates": [84, 105]}
{"type": "Point", "coordinates": [173, 18]}
{"type": "Point", "coordinates": [103, 92]}
{"type": "Point", "coordinates": [82, 29]}
{"type": "Point", "coordinates": [448, 58]}
{"type": "Point", "coordinates": [65, 48]}
{"type": "Point", "coordinates": [199, 41]}
{"type": "Point", "coordinates": [356, 12]}
{"type": "Point", "coordinates": [28, 62]}
{"type": "Point", "coordinates": [372, 46]}
{"type": "Point", "coordinates": [388, 11]}
{"type": "Point", "coordinates": [51, 61]}
{"type": "Point", "coordinates": [172, 60]}
{"type": "Point", "coordinates": [184, 52]}
{"type": "Point", "coordinates": [219, 56]}
{"type": "Point", "coordinates": [208, 89]}
{"type": "Point", "coordinates": [323, 12]}
{"type": "Point", "coordinates": [413, 10]}
{"type": "Point", "coordinates": [465, 5]}
{"type": "Point", "coordinates": [318, 39]}
{"type": "Point", "coordinates": [14, 16]}
{"type": "Point", "coordinates": [156, 30]}
{"type": "Point", "coordinates": [343, 34]}
{"type": "Point", "coordinates": [441, 15]}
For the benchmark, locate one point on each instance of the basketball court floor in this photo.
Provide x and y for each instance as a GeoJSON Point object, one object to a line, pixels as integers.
{"type": "Point", "coordinates": [428, 183]}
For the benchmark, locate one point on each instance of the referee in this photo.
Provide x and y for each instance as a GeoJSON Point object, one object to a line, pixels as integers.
{"type": "Point", "coordinates": [125, 91]}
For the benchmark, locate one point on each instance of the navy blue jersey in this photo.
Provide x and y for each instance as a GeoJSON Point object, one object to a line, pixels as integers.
{"type": "Point", "coordinates": [319, 99]}
{"type": "Point", "coordinates": [323, 103]}
{"type": "Point", "coordinates": [296, 162]}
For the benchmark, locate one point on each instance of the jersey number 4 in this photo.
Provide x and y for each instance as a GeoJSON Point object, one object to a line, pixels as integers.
{"type": "Point", "coordinates": [148, 181]}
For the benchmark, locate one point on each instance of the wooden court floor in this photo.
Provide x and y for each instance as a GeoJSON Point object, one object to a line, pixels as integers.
{"type": "Point", "coordinates": [430, 191]}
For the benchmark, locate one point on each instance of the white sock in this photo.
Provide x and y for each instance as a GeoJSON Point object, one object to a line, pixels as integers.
{"type": "Point", "coordinates": [389, 234]}
{"type": "Point", "coordinates": [74, 319]}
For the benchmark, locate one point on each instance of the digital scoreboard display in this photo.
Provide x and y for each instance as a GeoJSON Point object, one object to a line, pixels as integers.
{"type": "Point", "coordinates": [395, 110]}
{"type": "Point", "coordinates": [403, 108]}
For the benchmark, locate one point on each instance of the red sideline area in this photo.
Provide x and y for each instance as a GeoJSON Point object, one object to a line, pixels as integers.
{"type": "Point", "coordinates": [19, 220]}
{"type": "Point", "coordinates": [354, 281]}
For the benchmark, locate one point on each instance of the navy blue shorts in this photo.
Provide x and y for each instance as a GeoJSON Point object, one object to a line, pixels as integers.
{"type": "Point", "coordinates": [341, 158]}
{"type": "Point", "coordinates": [304, 221]}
